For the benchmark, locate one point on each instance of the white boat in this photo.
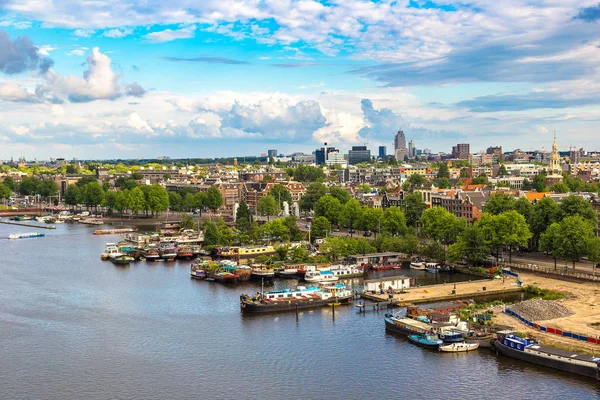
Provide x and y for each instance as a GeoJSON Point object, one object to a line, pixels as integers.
{"type": "Point", "coordinates": [111, 250]}
{"type": "Point", "coordinates": [25, 235]}
{"type": "Point", "coordinates": [321, 276]}
{"type": "Point", "coordinates": [458, 347]}
{"type": "Point", "coordinates": [432, 267]}
{"type": "Point", "coordinates": [346, 271]}
{"type": "Point", "coordinates": [417, 265]}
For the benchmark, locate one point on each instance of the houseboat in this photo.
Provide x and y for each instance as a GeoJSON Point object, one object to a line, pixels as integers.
{"type": "Point", "coordinates": [185, 252]}
{"type": "Point", "coordinates": [406, 326]}
{"type": "Point", "coordinates": [432, 268]}
{"type": "Point", "coordinates": [244, 253]}
{"type": "Point", "coordinates": [110, 250]}
{"type": "Point", "coordinates": [25, 235]}
{"type": "Point", "coordinates": [320, 276]}
{"type": "Point", "coordinates": [150, 254]}
{"type": "Point", "coordinates": [299, 298]}
{"type": "Point", "coordinates": [262, 272]}
{"type": "Point", "coordinates": [243, 272]}
{"type": "Point", "coordinates": [198, 270]}
{"type": "Point", "coordinates": [526, 349]}
{"type": "Point", "coordinates": [122, 259]}
{"type": "Point", "coordinates": [289, 271]}
{"type": "Point", "coordinates": [425, 340]}
{"type": "Point", "coordinates": [417, 265]}
{"type": "Point", "coordinates": [346, 271]}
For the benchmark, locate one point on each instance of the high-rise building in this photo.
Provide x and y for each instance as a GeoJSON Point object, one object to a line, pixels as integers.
{"type": "Point", "coordinates": [321, 155]}
{"type": "Point", "coordinates": [272, 153]}
{"type": "Point", "coordinates": [400, 150]}
{"type": "Point", "coordinates": [412, 151]}
{"type": "Point", "coordinates": [359, 154]}
{"type": "Point", "coordinates": [461, 151]}
{"type": "Point", "coordinates": [382, 152]}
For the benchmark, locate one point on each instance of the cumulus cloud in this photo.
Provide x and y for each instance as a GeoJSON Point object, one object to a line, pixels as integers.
{"type": "Point", "coordinates": [83, 32]}
{"type": "Point", "coordinates": [118, 33]}
{"type": "Point", "coordinates": [134, 90]}
{"type": "Point", "coordinates": [379, 123]}
{"type": "Point", "coordinates": [169, 35]}
{"type": "Point", "coordinates": [20, 55]}
{"type": "Point", "coordinates": [14, 92]}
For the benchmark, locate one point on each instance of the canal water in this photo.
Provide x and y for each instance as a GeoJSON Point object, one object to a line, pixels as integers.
{"type": "Point", "coordinates": [75, 327]}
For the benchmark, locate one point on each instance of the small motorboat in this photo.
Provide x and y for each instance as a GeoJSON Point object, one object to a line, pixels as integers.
{"type": "Point", "coordinates": [122, 259]}
{"type": "Point", "coordinates": [432, 268]}
{"type": "Point", "coordinates": [425, 340]}
{"type": "Point", "coordinates": [417, 265]}
{"type": "Point", "coordinates": [458, 347]}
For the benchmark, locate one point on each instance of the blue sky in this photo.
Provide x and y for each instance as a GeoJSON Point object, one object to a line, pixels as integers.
{"type": "Point", "coordinates": [147, 78]}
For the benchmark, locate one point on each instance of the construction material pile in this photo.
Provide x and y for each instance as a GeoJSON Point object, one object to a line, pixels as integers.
{"type": "Point", "coordinates": [541, 310]}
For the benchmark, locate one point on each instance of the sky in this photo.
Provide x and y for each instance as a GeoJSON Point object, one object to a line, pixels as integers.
{"type": "Point", "coordinates": [183, 78]}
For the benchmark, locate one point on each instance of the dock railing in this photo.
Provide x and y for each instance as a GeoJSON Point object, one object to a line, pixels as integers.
{"type": "Point", "coordinates": [560, 273]}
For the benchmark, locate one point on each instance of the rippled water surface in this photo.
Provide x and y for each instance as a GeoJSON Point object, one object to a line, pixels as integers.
{"type": "Point", "coordinates": [72, 326]}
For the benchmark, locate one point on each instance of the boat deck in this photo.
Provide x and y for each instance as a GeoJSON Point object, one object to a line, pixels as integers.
{"type": "Point", "coordinates": [562, 353]}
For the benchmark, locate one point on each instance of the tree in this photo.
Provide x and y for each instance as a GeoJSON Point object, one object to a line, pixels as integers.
{"type": "Point", "coordinates": [443, 171]}
{"type": "Point", "coordinates": [110, 200]}
{"type": "Point", "coordinates": [308, 173]}
{"type": "Point", "coordinates": [394, 221]}
{"type": "Point", "coordinates": [559, 187]}
{"type": "Point", "coordinates": [371, 219]}
{"type": "Point", "coordinates": [526, 185]}
{"type": "Point", "coordinates": [175, 201]}
{"type": "Point", "coordinates": [413, 208]}
{"type": "Point", "coordinates": [275, 230]}
{"type": "Point", "coordinates": [542, 216]}
{"type": "Point", "coordinates": [524, 207]}
{"type": "Point", "coordinates": [268, 206]}
{"type": "Point", "coordinates": [575, 205]}
{"type": "Point", "coordinates": [502, 171]}
{"type": "Point", "coordinates": [292, 224]}
{"type": "Point", "coordinates": [539, 182]}
{"type": "Point", "coordinates": [470, 246]}
{"type": "Point", "coordinates": [464, 173]}
{"type": "Point", "coordinates": [121, 202]}
{"type": "Point", "coordinates": [200, 200]}
{"type": "Point", "coordinates": [10, 183]}
{"type": "Point", "coordinates": [136, 200]}
{"type": "Point", "coordinates": [48, 188]}
{"type": "Point", "coordinates": [81, 182]}
{"type": "Point", "coordinates": [212, 236]}
{"type": "Point", "coordinates": [499, 203]}
{"type": "Point", "coordinates": [72, 169]}
{"type": "Point", "coordinates": [187, 222]}
{"type": "Point", "coordinates": [73, 195]}
{"type": "Point", "coordinates": [443, 183]}
{"type": "Point", "coordinates": [320, 227]}
{"type": "Point", "coordinates": [281, 194]}
{"type": "Point", "coordinates": [506, 229]}
{"type": "Point", "coordinates": [314, 192]}
{"type": "Point", "coordinates": [416, 179]}
{"type": "Point", "coordinates": [29, 186]}
{"type": "Point", "coordinates": [364, 188]}
{"type": "Point", "coordinates": [214, 199]}
{"type": "Point", "coordinates": [157, 198]}
{"type": "Point", "coordinates": [299, 254]}
{"type": "Point", "coordinates": [575, 234]}
{"type": "Point", "coordinates": [550, 241]}
{"type": "Point", "coordinates": [189, 202]}
{"type": "Point", "coordinates": [441, 225]}
{"type": "Point", "coordinates": [328, 207]}
{"type": "Point", "coordinates": [342, 195]}
{"type": "Point", "coordinates": [481, 180]}
{"type": "Point", "coordinates": [5, 191]}
{"type": "Point", "coordinates": [282, 252]}
{"type": "Point", "coordinates": [243, 218]}
{"type": "Point", "coordinates": [435, 251]}
{"type": "Point", "coordinates": [351, 214]}
{"type": "Point", "coordinates": [92, 194]}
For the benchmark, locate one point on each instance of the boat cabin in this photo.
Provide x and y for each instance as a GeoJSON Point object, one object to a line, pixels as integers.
{"type": "Point", "coordinates": [398, 283]}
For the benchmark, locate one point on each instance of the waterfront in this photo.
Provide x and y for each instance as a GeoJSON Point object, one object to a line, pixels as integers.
{"type": "Point", "coordinates": [72, 326]}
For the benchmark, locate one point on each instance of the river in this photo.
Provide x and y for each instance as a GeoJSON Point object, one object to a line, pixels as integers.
{"type": "Point", "coordinates": [75, 327]}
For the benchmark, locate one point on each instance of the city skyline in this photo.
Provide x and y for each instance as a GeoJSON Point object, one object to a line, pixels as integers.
{"type": "Point", "coordinates": [125, 80]}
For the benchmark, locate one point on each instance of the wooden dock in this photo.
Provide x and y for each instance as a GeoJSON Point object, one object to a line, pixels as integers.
{"type": "Point", "coordinates": [28, 225]}
{"type": "Point", "coordinates": [449, 292]}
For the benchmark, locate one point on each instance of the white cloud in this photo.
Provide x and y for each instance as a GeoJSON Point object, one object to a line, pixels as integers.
{"type": "Point", "coordinates": [15, 24]}
{"type": "Point", "coordinates": [311, 86]}
{"type": "Point", "coordinates": [169, 35]}
{"type": "Point", "coordinates": [77, 52]}
{"type": "Point", "coordinates": [118, 33]}
{"type": "Point", "coordinates": [46, 49]}
{"type": "Point", "coordinates": [83, 32]}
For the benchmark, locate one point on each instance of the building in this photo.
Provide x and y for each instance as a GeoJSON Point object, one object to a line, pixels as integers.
{"type": "Point", "coordinates": [272, 153]}
{"type": "Point", "coordinates": [382, 152]}
{"type": "Point", "coordinates": [359, 154]}
{"type": "Point", "coordinates": [335, 157]}
{"type": "Point", "coordinates": [555, 175]}
{"type": "Point", "coordinates": [303, 158]}
{"type": "Point", "coordinates": [400, 150]}
{"type": "Point", "coordinates": [412, 151]}
{"type": "Point", "coordinates": [496, 152]}
{"type": "Point", "coordinates": [322, 154]}
{"type": "Point", "coordinates": [60, 162]}
{"type": "Point", "coordinates": [461, 151]}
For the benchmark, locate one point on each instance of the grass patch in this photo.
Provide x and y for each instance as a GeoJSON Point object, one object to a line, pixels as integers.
{"type": "Point", "coordinates": [545, 294]}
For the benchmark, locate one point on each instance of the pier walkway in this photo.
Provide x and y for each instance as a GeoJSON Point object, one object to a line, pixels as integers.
{"type": "Point", "coordinates": [450, 291]}
{"type": "Point", "coordinates": [28, 224]}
